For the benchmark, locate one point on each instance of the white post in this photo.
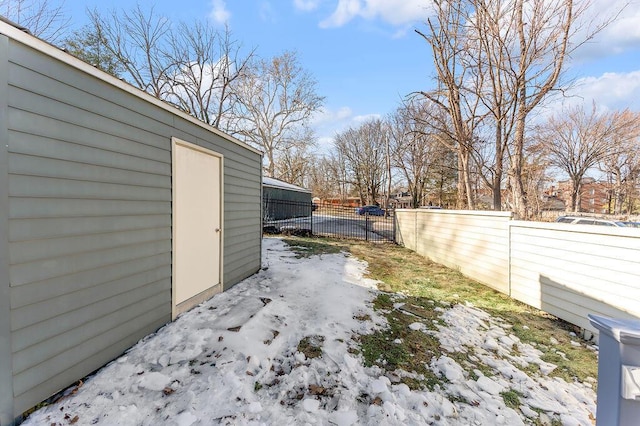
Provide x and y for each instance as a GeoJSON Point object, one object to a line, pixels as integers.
{"type": "Point", "coordinates": [618, 371]}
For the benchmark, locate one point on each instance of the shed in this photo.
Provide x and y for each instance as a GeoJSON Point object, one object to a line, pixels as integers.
{"type": "Point", "coordinates": [117, 212]}
{"type": "Point", "coordinates": [282, 200]}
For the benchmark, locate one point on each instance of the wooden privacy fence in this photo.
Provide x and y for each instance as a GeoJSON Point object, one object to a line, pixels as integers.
{"type": "Point", "coordinates": [567, 270]}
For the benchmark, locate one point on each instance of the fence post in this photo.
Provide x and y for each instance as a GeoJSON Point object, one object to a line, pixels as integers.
{"type": "Point", "coordinates": [618, 365]}
{"type": "Point", "coordinates": [366, 226]}
{"type": "Point", "coordinates": [393, 219]}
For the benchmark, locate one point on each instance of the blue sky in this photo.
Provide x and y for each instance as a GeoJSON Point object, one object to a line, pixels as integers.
{"type": "Point", "coordinates": [366, 55]}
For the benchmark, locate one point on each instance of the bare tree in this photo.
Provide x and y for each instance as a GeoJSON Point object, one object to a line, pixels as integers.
{"type": "Point", "coordinates": [414, 149]}
{"type": "Point", "coordinates": [509, 56]}
{"type": "Point", "coordinates": [276, 99]}
{"type": "Point", "coordinates": [40, 17]}
{"type": "Point", "coordinates": [321, 178]}
{"type": "Point", "coordinates": [622, 166]}
{"type": "Point", "coordinates": [539, 48]}
{"type": "Point", "coordinates": [444, 176]}
{"type": "Point", "coordinates": [576, 141]}
{"type": "Point", "coordinates": [364, 152]}
{"type": "Point", "coordinates": [489, 35]}
{"type": "Point", "coordinates": [138, 40]}
{"type": "Point", "coordinates": [207, 65]}
{"type": "Point", "coordinates": [537, 175]}
{"type": "Point", "coordinates": [293, 165]}
{"type": "Point", "coordinates": [338, 175]}
{"type": "Point", "coordinates": [459, 117]}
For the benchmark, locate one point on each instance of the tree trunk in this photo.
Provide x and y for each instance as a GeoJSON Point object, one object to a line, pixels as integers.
{"type": "Point", "coordinates": [575, 195]}
{"type": "Point", "coordinates": [471, 205]}
{"type": "Point", "coordinates": [497, 177]}
{"type": "Point", "coordinates": [462, 187]}
{"type": "Point", "coordinates": [518, 191]}
{"type": "Point", "coordinates": [271, 167]}
{"type": "Point", "coordinates": [619, 194]}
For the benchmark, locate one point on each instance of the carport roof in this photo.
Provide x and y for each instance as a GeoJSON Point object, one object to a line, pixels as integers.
{"type": "Point", "coordinates": [275, 183]}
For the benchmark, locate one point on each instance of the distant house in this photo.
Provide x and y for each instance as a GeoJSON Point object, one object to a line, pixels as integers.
{"type": "Point", "coordinates": [402, 200]}
{"type": "Point", "coordinates": [594, 195]}
{"type": "Point", "coordinates": [118, 212]}
{"type": "Point", "coordinates": [282, 200]}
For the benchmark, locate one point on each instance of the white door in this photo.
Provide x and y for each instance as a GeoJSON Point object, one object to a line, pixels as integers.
{"type": "Point", "coordinates": [197, 225]}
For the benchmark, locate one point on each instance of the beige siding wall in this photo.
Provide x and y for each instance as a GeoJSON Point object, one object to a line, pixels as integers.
{"type": "Point", "coordinates": [406, 228]}
{"type": "Point", "coordinates": [476, 243]}
{"type": "Point", "coordinates": [569, 271]}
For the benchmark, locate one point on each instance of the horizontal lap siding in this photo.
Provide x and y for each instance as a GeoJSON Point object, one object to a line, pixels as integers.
{"type": "Point", "coordinates": [89, 219]}
{"type": "Point", "coordinates": [406, 228]}
{"type": "Point", "coordinates": [476, 244]}
{"type": "Point", "coordinates": [89, 223]}
{"type": "Point", "coordinates": [6, 355]}
{"type": "Point", "coordinates": [571, 271]}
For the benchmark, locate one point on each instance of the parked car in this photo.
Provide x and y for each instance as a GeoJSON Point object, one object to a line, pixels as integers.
{"type": "Point", "coordinates": [370, 210]}
{"type": "Point", "coordinates": [579, 220]}
{"type": "Point", "coordinates": [632, 224]}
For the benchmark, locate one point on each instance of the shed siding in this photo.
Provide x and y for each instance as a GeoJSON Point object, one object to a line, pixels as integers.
{"type": "Point", "coordinates": [89, 218]}
{"type": "Point", "coordinates": [6, 371]}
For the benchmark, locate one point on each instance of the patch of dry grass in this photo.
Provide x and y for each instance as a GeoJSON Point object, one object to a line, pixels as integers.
{"type": "Point", "coordinates": [422, 282]}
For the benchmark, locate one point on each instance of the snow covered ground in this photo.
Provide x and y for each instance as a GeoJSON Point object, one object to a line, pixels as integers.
{"type": "Point", "coordinates": [235, 360]}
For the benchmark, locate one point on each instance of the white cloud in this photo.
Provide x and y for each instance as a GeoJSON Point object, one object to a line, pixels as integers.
{"type": "Point", "coordinates": [327, 123]}
{"type": "Point", "coordinates": [611, 90]}
{"type": "Point", "coordinates": [306, 5]}
{"type": "Point", "coordinates": [338, 120]}
{"type": "Point", "coordinates": [345, 11]}
{"type": "Point", "coordinates": [327, 117]}
{"type": "Point", "coordinates": [397, 12]}
{"type": "Point", "coordinates": [394, 12]}
{"type": "Point", "coordinates": [359, 119]}
{"type": "Point", "coordinates": [626, 30]}
{"type": "Point", "coordinates": [621, 34]}
{"type": "Point", "coordinates": [219, 12]}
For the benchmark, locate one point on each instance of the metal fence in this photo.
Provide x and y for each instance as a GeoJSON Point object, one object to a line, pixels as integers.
{"type": "Point", "coordinates": [306, 219]}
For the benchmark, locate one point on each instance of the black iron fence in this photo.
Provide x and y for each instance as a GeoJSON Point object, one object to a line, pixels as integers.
{"type": "Point", "coordinates": [305, 219]}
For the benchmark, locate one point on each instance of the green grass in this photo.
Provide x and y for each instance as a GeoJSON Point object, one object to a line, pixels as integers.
{"type": "Point", "coordinates": [422, 282]}
{"type": "Point", "coordinates": [399, 347]}
{"type": "Point", "coordinates": [511, 398]}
